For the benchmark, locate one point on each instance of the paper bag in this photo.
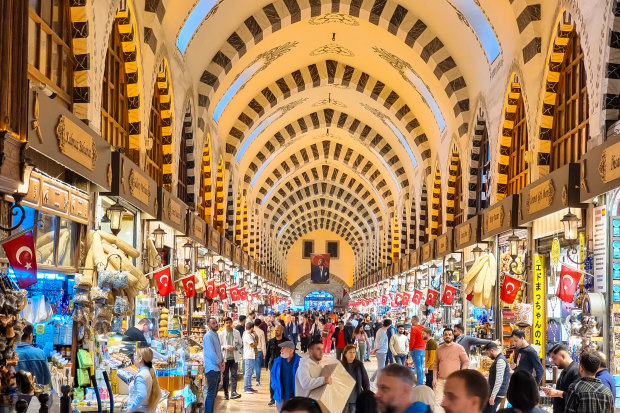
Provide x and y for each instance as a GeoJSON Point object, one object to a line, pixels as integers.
{"type": "Point", "coordinates": [333, 397]}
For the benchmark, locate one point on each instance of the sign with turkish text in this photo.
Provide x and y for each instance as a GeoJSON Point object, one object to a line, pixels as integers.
{"type": "Point", "coordinates": [539, 326]}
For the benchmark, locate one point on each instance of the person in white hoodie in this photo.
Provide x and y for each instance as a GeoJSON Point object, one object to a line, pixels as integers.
{"type": "Point", "coordinates": [308, 375]}
{"type": "Point", "coordinates": [399, 346]}
{"type": "Point", "coordinates": [231, 342]}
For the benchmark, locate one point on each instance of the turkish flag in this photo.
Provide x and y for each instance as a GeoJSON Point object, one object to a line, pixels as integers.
{"type": "Point", "coordinates": [190, 286]}
{"type": "Point", "coordinates": [448, 294]}
{"type": "Point", "coordinates": [417, 297]}
{"type": "Point", "coordinates": [221, 291]}
{"type": "Point", "coordinates": [164, 281]}
{"type": "Point", "coordinates": [399, 299]}
{"type": "Point", "coordinates": [210, 290]}
{"type": "Point", "coordinates": [406, 299]}
{"type": "Point", "coordinates": [384, 299]}
{"type": "Point", "coordinates": [20, 253]}
{"type": "Point", "coordinates": [569, 281]}
{"type": "Point", "coordinates": [431, 296]}
{"type": "Point", "coordinates": [510, 288]}
{"type": "Point", "coordinates": [234, 294]}
{"type": "Point", "coordinates": [243, 294]}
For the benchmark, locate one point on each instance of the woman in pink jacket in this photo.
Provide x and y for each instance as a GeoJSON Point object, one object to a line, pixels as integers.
{"type": "Point", "coordinates": [326, 335]}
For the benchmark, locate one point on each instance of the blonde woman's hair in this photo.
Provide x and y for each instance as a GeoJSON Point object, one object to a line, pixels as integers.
{"type": "Point", "coordinates": [146, 354]}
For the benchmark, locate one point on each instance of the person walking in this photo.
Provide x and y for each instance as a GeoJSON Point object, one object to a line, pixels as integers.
{"type": "Point", "coordinates": [273, 351]}
{"type": "Point", "coordinates": [390, 332]}
{"type": "Point", "coordinates": [231, 345]}
{"type": "Point", "coordinates": [308, 376]}
{"type": "Point", "coordinates": [261, 350]}
{"type": "Point", "coordinates": [316, 328]}
{"type": "Point", "coordinates": [342, 338]}
{"type": "Point", "coordinates": [561, 357]}
{"type": "Point", "coordinates": [360, 337]}
{"type": "Point", "coordinates": [249, 357]}
{"type": "Point", "coordinates": [399, 346]}
{"type": "Point", "coordinates": [588, 394]}
{"type": "Point", "coordinates": [356, 369]}
{"type": "Point", "coordinates": [603, 374]}
{"type": "Point", "coordinates": [449, 358]}
{"type": "Point", "coordinates": [417, 346]}
{"type": "Point", "coordinates": [466, 391]}
{"type": "Point", "coordinates": [467, 341]}
{"type": "Point", "coordinates": [31, 358]}
{"type": "Point", "coordinates": [394, 391]}
{"type": "Point", "coordinates": [213, 362]}
{"type": "Point", "coordinates": [304, 334]}
{"type": "Point", "coordinates": [291, 328]}
{"type": "Point", "coordinates": [370, 333]}
{"type": "Point", "coordinates": [283, 374]}
{"type": "Point", "coordinates": [326, 335]}
{"type": "Point", "coordinates": [144, 391]}
{"type": "Point", "coordinates": [499, 377]}
{"type": "Point", "coordinates": [522, 394]}
{"type": "Point", "coordinates": [526, 357]}
{"type": "Point", "coordinates": [381, 347]}
{"type": "Point", "coordinates": [429, 355]}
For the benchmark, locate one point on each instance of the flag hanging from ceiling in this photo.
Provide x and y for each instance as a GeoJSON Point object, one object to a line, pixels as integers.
{"type": "Point", "coordinates": [163, 277]}
{"type": "Point", "coordinates": [448, 294]}
{"type": "Point", "coordinates": [20, 253]}
{"type": "Point", "coordinates": [510, 288]}
{"type": "Point", "coordinates": [190, 286]}
{"type": "Point", "coordinates": [569, 281]}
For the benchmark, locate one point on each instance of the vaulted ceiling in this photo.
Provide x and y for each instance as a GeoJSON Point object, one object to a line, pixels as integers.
{"type": "Point", "coordinates": [328, 109]}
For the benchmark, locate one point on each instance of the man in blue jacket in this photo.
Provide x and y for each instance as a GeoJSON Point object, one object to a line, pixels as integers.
{"type": "Point", "coordinates": [32, 359]}
{"type": "Point", "coordinates": [283, 374]}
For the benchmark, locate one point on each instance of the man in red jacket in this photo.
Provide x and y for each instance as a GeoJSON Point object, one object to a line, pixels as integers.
{"type": "Point", "coordinates": [417, 346]}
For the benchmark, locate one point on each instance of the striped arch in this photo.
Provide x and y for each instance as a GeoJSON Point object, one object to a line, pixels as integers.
{"type": "Point", "coordinates": [528, 17]}
{"type": "Point", "coordinates": [254, 240]}
{"type": "Point", "coordinates": [562, 38]}
{"type": "Point", "coordinates": [395, 250]}
{"type": "Point", "coordinates": [340, 215]}
{"type": "Point", "coordinates": [126, 22]}
{"type": "Point", "coordinates": [316, 75]}
{"type": "Point", "coordinates": [166, 105]}
{"type": "Point", "coordinates": [451, 200]}
{"type": "Point", "coordinates": [331, 190]}
{"type": "Point", "coordinates": [510, 110]}
{"type": "Point", "coordinates": [404, 244]}
{"type": "Point", "coordinates": [474, 168]}
{"type": "Point", "coordinates": [230, 210]}
{"type": "Point", "coordinates": [190, 161]}
{"type": "Point", "coordinates": [245, 229]}
{"type": "Point", "coordinates": [611, 82]}
{"type": "Point", "coordinates": [413, 242]}
{"type": "Point", "coordinates": [436, 205]}
{"type": "Point", "coordinates": [206, 188]}
{"type": "Point", "coordinates": [424, 227]}
{"type": "Point", "coordinates": [80, 33]}
{"type": "Point", "coordinates": [345, 227]}
{"type": "Point", "coordinates": [338, 226]}
{"type": "Point", "coordinates": [219, 197]}
{"type": "Point", "coordinates": [326, 118]}
{"type": "Point", "coordinates": [238, 221]}
{"type": "Point", "coordinates": [365, 167]}
{"type": "Point", "coordinates": [387, 14]}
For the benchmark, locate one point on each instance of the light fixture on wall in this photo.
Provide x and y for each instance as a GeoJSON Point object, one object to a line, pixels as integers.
{"type": "Point", "coordinates": [115, 213]}
{"type": "Point", "coordinates": [22, 191]}
{"type": "Point", "coordinates": [570, 222]}
{"type": "Point", "coordinates": [514, 244]}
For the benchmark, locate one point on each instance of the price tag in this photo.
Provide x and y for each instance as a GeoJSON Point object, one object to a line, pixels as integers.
{"type": "Point", "coordinates": [40, 329]}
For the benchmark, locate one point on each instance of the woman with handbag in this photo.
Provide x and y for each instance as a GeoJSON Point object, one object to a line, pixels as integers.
{"type": "Point", "coordinates": [144, 391]}
{"type": "Point", "coordinates": [326, 334]}
{"type": "Point", "coordinates": [356, 369]}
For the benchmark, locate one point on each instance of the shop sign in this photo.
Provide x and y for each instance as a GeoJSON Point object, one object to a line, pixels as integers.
{"type": "Point", "coordinates": [599, 253]}
{"type": "Point", "coordinates": [540, 298]}
{"type": "Point", "coordinates": [227, 248]}
{"type": "Point", "coordinates": [540, 197]}
{"type": "Point", "coordinates": [238, 255]}
{"type": "Point", "coordinates": [74, 142]}
{"type": "Point", "coordinates": [426, 252]}
{"type": "Point", "coordinates": [464, 234]}
{"type": "Point", "coordinates": [139, 187]}
{"type": "Point", "coordinates": [196, 227]}
{"type": "Point", "coordinates": [171, 210]}
{"type": "Point", "coordinates": [443, 244]}
{"type": "Point", "coordinates": [500, 217]}
{"type": "Point", "coordinates": [609, 165]}
{"type": "Point", "coordinates": [132, 184]}
{"type": "Point", "coordinates": [495, 218]}
{"type": "Point", "coordinates": [213, 239]}
{"type": "Point", "coordinates": [413, 258]}
{"type": "Point", "coordinates": [11, 163]}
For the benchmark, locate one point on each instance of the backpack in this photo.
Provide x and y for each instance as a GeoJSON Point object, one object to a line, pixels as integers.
{"type": "Point", "coordinates": [325, 332]}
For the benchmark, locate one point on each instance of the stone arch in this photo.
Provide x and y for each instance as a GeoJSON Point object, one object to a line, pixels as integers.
{"type": "Point", "coordinates": [424, 228]}
{"type": "Point", "coordinates": [611, 82]}
{"type": "Point", "coordinates": [190, 156]}
{"type": "Point", "coordinates": [206, 186]}
{"type": "Point", "coordinates": [219, 197]}
{"type": "Point", "coordinates": [437, 204]}
{"type": "Point", "coordinates": [81, 44]}
{"type": "Point", "coordinates": [454, 165]}
{"type": "Point", "coordinates": [337, 288]}
{"type": "Point", "coordinates": [480, 128]}
{"type": "Point", "coordinates": [528, 16]}
{"type": "Point", "coordinates": [166, 105]}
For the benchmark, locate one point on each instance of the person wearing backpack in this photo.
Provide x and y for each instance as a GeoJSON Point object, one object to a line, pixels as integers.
{"type": "Point", "coordinates": [326, 335]}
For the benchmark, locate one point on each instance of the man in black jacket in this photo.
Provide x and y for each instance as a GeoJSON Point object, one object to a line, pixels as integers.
{"type": "Point", "coordinates": [525, 355]}
{"type": "Point", "coordinates": [499, 377]}
{"type": "Point", "coordinates": [561, 357]}
{"type": "Point", "coordinates": [273, 352]}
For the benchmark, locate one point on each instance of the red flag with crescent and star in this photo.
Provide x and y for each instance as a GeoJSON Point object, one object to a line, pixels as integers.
{"type": "Point", "coordinates": [243, 294]}
{"type": "Point", "coordinates": [417, 297]}
{"type": "Point", "coordinates": [431, 296]}
{"type": "Point", "coordinates": [510, 288]}
{"type": "Point", "coordinates": [210, 293]}
{"type": "Point", "coordinates": [234, 294]}
{"type": "Point", "coordinates": [384, 299]}
{"type": "Point", "coordinates": [448, 294]}
{"type": "Point", "coordinates": [569, 281]}
{"type": "Point", "coordinates": [406, 299]}
{"type": "Point", "coordinates": [164, 281]}
{"type": "Point", "coordinates": [221, 291]}
{"type": "Point", "coordinates": [20, 253]}
{"type": "Point", "coordinates": [190, 286]}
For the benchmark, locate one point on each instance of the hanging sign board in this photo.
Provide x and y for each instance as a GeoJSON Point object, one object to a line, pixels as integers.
{"type": "Point", "coordinates": [172, 211]}
{"type": "Point", "coordinates": [600, 168]}
{"type": "Point", "coordinates": [227, 248]}
{"type": "Point", "coordinates": [552, 193]}
{"type": "Point", "coordinates": [238, 255]}
{"type": "Point", "coordinates": [427, 252]}
{"type": "Point", "coordinates": [414, 258]}
{"type": "Point", "coordinates": [500, 217]}
{"type": "Point", "coordinates": [443, 244]}
{"type": "Point", "coordinates": [196, 228]}
{"type": "Point", "coordinates": [467, 233]}
{"type": "Point", "coordinates": [213, 239]}
{"type": "Point", "coordinates": [539, 325]}
{"type": "Point", "coordinates": [132, 184]}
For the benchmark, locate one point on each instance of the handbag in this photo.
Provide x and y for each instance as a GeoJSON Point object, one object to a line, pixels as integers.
{"type": "Point", "coordinates": [325, 332]}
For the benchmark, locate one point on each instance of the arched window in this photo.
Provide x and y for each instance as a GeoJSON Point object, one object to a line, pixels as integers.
{"type": "Point", "coordinates": [571, 120]}
{"type": "Point", "coordinates": [114, 102]}
{"type": "Point", "coordinates": [154, 156]}
{"type": "Point", "coordinates": [484, 171]}
{"type": "Point", "coordinates": [50, 58]}
{"type": "Point", "coordinates": [517, 169]}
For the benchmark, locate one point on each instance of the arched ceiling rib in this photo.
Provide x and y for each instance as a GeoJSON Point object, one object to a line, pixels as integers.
{"type": "Point", "coordinates": [310, 223]}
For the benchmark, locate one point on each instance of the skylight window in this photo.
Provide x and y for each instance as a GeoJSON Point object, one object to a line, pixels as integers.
{"type": "Point", "coordinates": [193, 21]}
{"type": "Point", "coordinates": [403, 142]}
{"type": "Point", "coordinates": [259, 129]}
{"type": "Point", "coordinates": [283, 228]}
{"type": "Point", "coordinates": [234, 88]}
{"type": "Point", "coordinates": [428, 97]}
{"type": "Point", "coordinates": [382, 159]}
{"type": "Point", "coordinates": [481, 26]}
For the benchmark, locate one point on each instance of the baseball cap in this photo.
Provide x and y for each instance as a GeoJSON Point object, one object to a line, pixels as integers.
{"type": "Point", "coordinates": [287, 344]}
